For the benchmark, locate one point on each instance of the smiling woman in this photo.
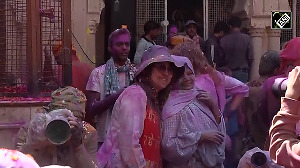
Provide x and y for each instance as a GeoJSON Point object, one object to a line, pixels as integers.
{"type": "Point", "coordinates": [188, 79]}
{"type": "Point", "coordinates": [161, 75]}
{"type": "Point", "coordinates": [133, 138]}
{"type": "Point", "coordinates": [199, 130]}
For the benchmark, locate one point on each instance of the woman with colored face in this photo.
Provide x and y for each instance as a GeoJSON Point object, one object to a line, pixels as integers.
{"type": "Point", "coordinates": [134, 137]}
{"type": "Point", "coordinates": [186, 82]}
{"type": "Point", "coordinates": [193, 128]}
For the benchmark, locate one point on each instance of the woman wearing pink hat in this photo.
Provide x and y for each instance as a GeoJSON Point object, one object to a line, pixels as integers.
{"type": "Point", "coordinates": [133, 138]}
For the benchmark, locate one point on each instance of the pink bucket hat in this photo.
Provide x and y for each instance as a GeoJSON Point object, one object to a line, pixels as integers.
{"type": "Point", "coordinates": [155, 54]}
{"type": "Point", "coordinates": [181, 61]}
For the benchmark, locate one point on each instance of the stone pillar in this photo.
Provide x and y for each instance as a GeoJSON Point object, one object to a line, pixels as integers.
{"type": "Point", "coordinates": [274, 39]}
{"type": "Point", "coordinates": [257, 43]}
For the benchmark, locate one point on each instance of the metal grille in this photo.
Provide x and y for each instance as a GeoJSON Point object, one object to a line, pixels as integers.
{"type": "Point", "coordinates": [27, 64]}
{"type": "Point", "coordinates": [149, 10]}
{"type": "Point", "coordinates": [141, 16]}
{"type": "Point", "coordinates": [218, 10]}
{"type": "Point", "coordinates": [51, 35]}
{"type": "Point", "coordinates": [13, 68]}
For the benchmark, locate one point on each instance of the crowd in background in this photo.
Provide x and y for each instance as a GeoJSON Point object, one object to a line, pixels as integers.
{"type": "Point", "coordinates": [186, 104]}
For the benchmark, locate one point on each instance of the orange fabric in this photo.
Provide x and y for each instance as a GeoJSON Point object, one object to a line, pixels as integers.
{"type": "Point", "coordinates": [57, 48]}
{"type": "Point", "coordinates": [150, 139]}
{"type": "Point", "coordinates": [179, 39]}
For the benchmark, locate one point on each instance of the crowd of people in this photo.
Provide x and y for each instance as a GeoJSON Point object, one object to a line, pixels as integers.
{"type": "Point", "coordinates": [187, 104]}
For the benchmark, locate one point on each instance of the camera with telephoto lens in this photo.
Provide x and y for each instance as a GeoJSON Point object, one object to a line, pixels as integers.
{"type": "Point", "coordinates": [258, 159]}
{"type": "Point", "coordinates": [58, 130]}
{"type": "Point", "coordinates": [279, 87]}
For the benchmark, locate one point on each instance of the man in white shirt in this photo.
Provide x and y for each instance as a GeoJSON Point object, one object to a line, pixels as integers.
{"type": "Point", "coordinates": [108, 81]}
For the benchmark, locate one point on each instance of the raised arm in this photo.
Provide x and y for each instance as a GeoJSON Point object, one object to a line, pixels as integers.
{"type": "Point", "coordinates": [96, 106]}
{"type": "Point", "coordinates": [285, 146]}
{"type": "Point", "coordinates": [93, 88]}
{"type": "Point", "coordinates": [237, 89]}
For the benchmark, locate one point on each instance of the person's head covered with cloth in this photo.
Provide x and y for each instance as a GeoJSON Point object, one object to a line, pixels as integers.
{"type": "Point", "coordinates": [290, 56]}
{"type": "Point", "coordinates": [67, 104]}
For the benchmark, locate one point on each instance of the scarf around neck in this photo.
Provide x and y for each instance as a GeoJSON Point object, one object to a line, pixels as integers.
{"type": "Point", "coordinates": [111, 79]}
{"type": "Point", "coordinates": [178, 99]}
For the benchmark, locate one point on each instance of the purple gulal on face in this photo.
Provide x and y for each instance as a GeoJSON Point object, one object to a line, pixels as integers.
{"type": "Point", "coordinates": [186, 82]}
{"type": "Point", "coordinates": [173, 31]}
{"type": "Point", "coordinates": [120, 47]}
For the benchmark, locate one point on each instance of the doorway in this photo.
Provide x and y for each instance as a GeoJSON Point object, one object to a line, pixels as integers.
{"type": "Point", "coordinates": [181, 11]}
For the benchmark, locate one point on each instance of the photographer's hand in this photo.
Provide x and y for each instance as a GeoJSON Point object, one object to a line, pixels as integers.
{"type": "Point", "coordinates": [82, 156]}
{"type": "Point", "coordinates": [73, 122]}
{"type": "Point", "coordinates": [293, 86]}
{"type": "Point", "coordinates": [76, 131]}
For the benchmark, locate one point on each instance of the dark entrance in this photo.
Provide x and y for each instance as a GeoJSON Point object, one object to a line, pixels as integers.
{"type": "Point", "coordinates": [181, 11]}
{"type": "Point", "coordinates": [114, 15]}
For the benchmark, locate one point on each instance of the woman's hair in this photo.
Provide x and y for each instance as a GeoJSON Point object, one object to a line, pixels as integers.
{"type": "Point", "coordinates": [162, 96]}
{"type": "Point", "coordinates": [193, 52]}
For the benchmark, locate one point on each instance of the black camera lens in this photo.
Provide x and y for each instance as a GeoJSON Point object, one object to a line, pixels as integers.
{"type": "Point", "coordinates": [258, 159]}
{"type": "Point", "coordinates": [58, 132]}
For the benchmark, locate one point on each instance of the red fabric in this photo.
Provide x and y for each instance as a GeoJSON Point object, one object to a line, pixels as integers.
{"type": "Point", "coordinates": [80, 74]}
{"type": "Point", "coordinates": [150, 139]}
{"type": "Point", "coordinates": [74, 57]}
{"type": "Point", "coordinates": [292, 50]}
{"type": "Point", "coordinates": [290, 55]}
